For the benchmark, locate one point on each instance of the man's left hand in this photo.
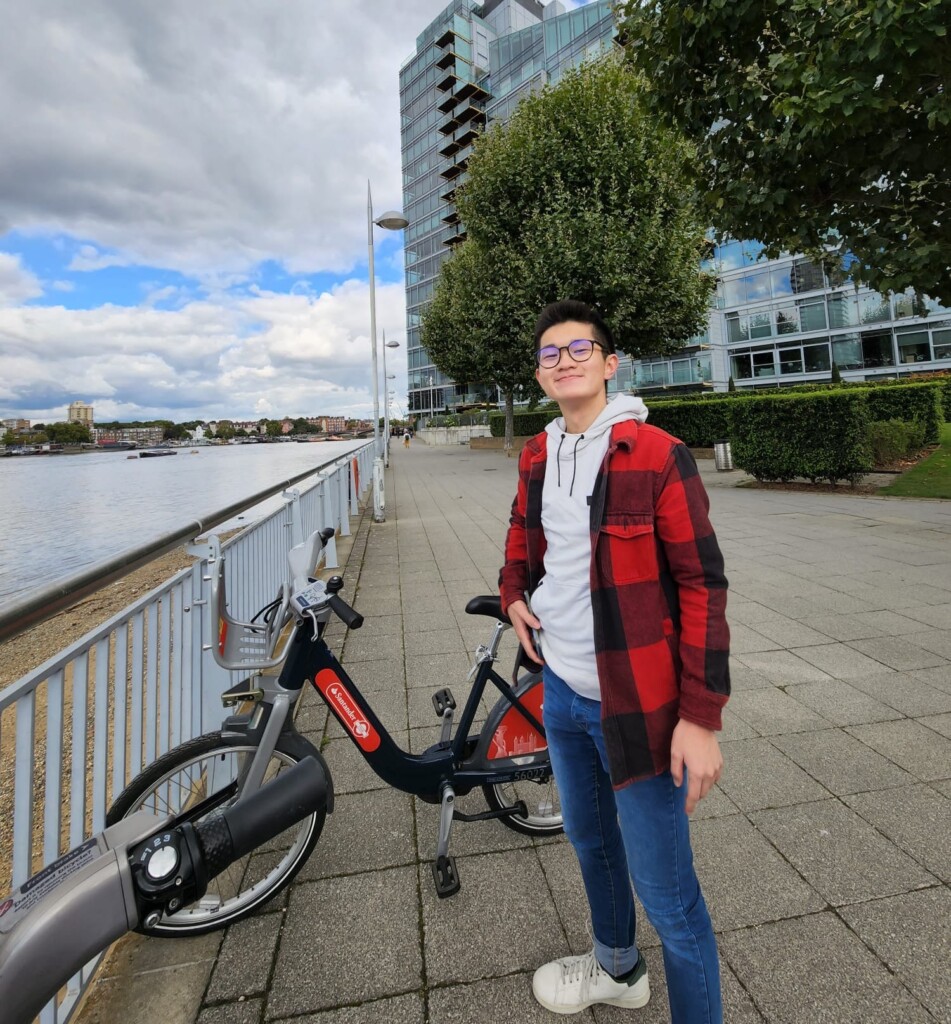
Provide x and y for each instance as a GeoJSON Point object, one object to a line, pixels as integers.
{"type": "Point", "coordinates": [695, 748]}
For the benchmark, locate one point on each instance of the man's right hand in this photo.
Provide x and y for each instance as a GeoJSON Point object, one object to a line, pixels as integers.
{"type": "Point", "coordinates": [523, 622]}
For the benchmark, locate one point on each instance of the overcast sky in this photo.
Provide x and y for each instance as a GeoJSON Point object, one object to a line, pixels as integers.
{"type": "Point", "coordinates": [183, 204]}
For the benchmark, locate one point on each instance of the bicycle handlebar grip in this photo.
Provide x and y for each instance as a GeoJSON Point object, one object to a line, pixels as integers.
{"type": "Point", "coordinates": [265, 814]}
{"type": "Point", "coordinates": [350, 616]}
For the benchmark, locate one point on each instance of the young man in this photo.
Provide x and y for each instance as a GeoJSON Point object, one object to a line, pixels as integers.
{"type": "Point", "coordinates": [611, 560]}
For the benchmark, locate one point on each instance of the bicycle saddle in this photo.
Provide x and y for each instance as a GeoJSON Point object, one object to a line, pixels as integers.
{"type": "Point", "coordinates": [488, 604]}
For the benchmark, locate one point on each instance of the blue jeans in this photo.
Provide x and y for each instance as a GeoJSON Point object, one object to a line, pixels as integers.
{"type": "Point", "coordinates": [639, 833]}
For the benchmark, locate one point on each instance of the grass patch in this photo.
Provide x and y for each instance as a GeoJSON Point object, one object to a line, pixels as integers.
{"type": "Point", "coordinates": [931, 478]}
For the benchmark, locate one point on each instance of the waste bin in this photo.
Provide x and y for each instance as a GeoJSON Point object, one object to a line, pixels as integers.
{"type": "Point", "coordinates": [722, 456]}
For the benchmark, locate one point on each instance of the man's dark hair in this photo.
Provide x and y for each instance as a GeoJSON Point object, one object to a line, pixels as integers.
{"type": "Point", "coordinates": [571, 309]}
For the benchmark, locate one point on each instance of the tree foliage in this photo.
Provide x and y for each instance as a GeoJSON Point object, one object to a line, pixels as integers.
{"type": "Point", "coordinates": [68, 433]}
{"type": "Point", "coordinates": [820, 124]}
{"type": "Point", "coordinates": [581, 194]}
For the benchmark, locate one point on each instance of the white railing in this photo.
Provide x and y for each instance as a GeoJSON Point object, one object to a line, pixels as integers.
{"type": "Point", "coordinates": [74, 731]}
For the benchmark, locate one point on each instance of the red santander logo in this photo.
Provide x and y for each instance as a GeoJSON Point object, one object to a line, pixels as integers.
{"type": "Point", "coordinates": [345, 707]}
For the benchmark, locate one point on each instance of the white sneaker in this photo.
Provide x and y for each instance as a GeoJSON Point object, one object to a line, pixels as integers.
{"type": "Point", "coordinates": [573, 983]}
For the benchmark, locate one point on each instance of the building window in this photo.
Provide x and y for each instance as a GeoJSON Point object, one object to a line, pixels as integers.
{"type": "Point", "coordinates": [742, 366]}
{"type": "Point", "coordinates": [763, 365]}
{"type": "Point", "coordinates": [790, 360]}
{"type": "Point", "coordinates": [942, 344]}
{"type": "Point", "coordinates": [873, 308]}
{"type": "Point", "coordinates": [816, 358]}
{"type": "Point", "coordinates": [812, 315]}
{"type": "Point", "coordinates": [877, 349]}
{"type": "Point", "coordinates": [913, 346]}
{"type": "Point", "coordinates": [842, 311]}
{"type": "Point", "coordinates": [847, 352]}
{"type": "Point", "coordinates": [787, 320]}
{"type": "Point", "coordinates": [761, 324]}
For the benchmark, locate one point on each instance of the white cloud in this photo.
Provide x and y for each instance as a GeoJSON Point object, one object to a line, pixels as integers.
{"type": "Point", "coordinates": [16, 283]}
{"type": "Point", "coordinates": [268, 354]}
{"type": "Point", "coordinates": [203, 136]}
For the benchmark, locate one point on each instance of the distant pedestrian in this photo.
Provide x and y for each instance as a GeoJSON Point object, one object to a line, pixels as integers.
{"type": "Point", "coordinates": [406, 439]}
{"type": "Point", "coordinates": [612, 564]}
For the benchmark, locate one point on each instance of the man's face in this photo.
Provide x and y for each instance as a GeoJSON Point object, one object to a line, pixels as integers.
{"type": "Point", "coordinates": [574, 380]}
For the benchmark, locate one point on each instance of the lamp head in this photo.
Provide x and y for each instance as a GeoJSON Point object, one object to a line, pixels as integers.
{"type": "Point", "coordinates": [392, 220]}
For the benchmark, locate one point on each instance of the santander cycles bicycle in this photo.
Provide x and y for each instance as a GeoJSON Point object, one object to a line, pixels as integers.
{"type": "Point", "coordinates": [507, 757]}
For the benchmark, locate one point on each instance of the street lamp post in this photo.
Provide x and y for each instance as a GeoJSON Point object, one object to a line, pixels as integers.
{"type": "Point", "coordinates": [392, 220]}
{"type": "Point", "coordinates": [386, 404]}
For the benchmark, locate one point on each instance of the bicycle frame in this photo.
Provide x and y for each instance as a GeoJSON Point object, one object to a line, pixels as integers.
{"type": "Point", "coordinates": [466, 761]}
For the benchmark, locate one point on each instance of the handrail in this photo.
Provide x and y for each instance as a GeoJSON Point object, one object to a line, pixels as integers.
{"type": "Point", "coordinates": [45, 602]}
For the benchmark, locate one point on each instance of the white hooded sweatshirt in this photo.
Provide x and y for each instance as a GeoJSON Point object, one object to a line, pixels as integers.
{"type": "Point", "coordinates": [562, 600]}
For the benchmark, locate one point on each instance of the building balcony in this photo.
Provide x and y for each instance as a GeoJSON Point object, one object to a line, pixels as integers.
{"type": "Point", "coordinates": [452, 217]}
{"type": "Point", "coordinates": [449, 79]}
{"type": "Point", "coordinates": [446, 60]}
{"type": "Point", "coordinates": [454, 235]}
{"type": "Point", "coordinates": [472, 90]}
{"type": "Point", "coordinates": [452, 171]}
{"type": "Point", "coordinates": [467, 135]}
{"type": "Point", "coordinates": [469, 112]}
{"type": "Point", "coordinates": [447, 127]}
{"type": "Point", "coordinates": [450, 147]}
{"type": "Point", "coordinates": [447, 38]}
{"type": "Point", "coordinates": [447, 104]}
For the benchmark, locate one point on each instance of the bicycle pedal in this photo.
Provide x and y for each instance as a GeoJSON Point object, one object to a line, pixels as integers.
{"type": "Point", "coordinates": [443, 699]}
{"type": "Point", "coordinates": [445, 877]}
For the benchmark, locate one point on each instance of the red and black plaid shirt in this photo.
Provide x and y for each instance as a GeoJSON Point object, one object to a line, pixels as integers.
{"type": "Point", "coordinates": [658, 592]}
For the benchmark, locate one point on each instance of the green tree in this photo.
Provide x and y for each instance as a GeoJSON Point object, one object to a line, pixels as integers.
{"type": "Point", "coordinates": [273, 428]}
{"type": "Point", "coordinates": [581, 194]}
{"type": "Point", "coordinates": [225, 430]}
{"type": "Point", "coordinates": [68, 433]}
{"type": "Point", "coordinates": [175, 432]}
{"type": "Point", "coordinates": [822, 126]}
{"type": "Point", "coordinates": [9, 438]}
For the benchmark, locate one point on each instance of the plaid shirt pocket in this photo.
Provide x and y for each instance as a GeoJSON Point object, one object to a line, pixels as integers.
{"type": "Point", "coordinates": [627, 548]}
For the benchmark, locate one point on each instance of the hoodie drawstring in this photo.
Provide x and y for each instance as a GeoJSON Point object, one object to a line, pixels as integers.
{"type": "Point", "coordinates": [574, 462]}
{"type": "Point", "coordinates": [574, 468]}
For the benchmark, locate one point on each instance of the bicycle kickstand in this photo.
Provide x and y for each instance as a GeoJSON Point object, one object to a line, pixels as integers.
{"type": "Point", "coordinates": [444, 866]}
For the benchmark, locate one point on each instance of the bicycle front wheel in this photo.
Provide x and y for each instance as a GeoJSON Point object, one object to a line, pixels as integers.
{"type": "Point", "coordinates": [194, 774]}
{"type": "Point", "coordinates": [540, 797]}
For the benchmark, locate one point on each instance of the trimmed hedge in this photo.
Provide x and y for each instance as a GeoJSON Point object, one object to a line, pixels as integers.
{"type": "Point", "coordinates": [816, 436]}
{"type": "Point", "coordinates": [909, 403]}
{"type": "Point", "coordinates": [892, 440]}
{"type": "Point", "coordinates": [697, 424]}
{"type": "Point", "coordinates": [526, 424]}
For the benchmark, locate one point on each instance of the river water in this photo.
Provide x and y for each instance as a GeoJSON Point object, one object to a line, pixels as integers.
{"type": "Point", "coordinates": [63, 513]}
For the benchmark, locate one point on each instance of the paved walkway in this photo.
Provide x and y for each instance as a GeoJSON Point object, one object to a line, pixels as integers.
{"type": "Point", "coordinates": [825, 852]}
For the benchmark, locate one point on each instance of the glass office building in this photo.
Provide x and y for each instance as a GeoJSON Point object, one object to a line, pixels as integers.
{"type": "Point", "coordinates": [472, 65]}
{"type": "Point", "coordinates": [771, 322]}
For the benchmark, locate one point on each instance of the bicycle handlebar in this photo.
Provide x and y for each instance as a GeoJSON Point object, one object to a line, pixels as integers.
{"type": "Point", "coordinates": [128, 875]}
{"type": "Point", "coordinates": [350, 616]}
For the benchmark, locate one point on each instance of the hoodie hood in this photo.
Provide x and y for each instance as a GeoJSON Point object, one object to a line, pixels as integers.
{"type": "Point", "coordinates": [569, 448]}
{"type": "Point", "coordinates": [618, 409]}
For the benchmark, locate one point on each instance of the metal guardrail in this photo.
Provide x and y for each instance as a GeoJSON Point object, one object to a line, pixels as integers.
{"type": "Point", "coordinates": [74, 731]}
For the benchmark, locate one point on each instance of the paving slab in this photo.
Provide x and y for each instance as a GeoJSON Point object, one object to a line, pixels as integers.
{"type": "Point", "coordinates": [910, 745]}
{"type": "Point", "coordinates": [247, 1011]}
{"type": "Point", "coordinates": [346, 847]}
{"type": "Point", "coordinates": [728, 853]}
{"type": "Point", "coordinates": [905, 692]}
{"type": "Point", "coordinates": [840, 762]}
{"type": "Point", "coordinates": [244, 962]}
{"type": "Point", "coordinates": [912, 935]}
{"type": "Point", "coordinates": [840, 854]}
{"type": "Point", "coordinates": [507, 1000]}
{"type": "Point", "coordinates": [896, 652]}
{"type": "Point", "coordinates": [503, 919]}
{"type": "Point", "coordinates": [782, 667]}
{"type": "Point", "coordinates": [839, 660]}
{"type": "Point", "coordinates": [756, 774]}
{"type": "Point", "coordinates": [815, 969]}
{"type": "Point", "coordinates": [840, 703]}
{"type": "Point", "coordinates": [408, 1009]}
{"type": "Point", "coordinates": [915, 818]}
{"type": "Point", "coordinates": [335, 931]}
{"type": "Point", "coordinates": [772, 712]}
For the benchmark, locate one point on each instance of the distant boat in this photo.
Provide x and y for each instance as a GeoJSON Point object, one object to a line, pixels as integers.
{"type": "Point", "coordinates": [155, 453]}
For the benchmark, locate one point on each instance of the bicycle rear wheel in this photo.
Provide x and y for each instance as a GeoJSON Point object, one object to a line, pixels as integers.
{"type": "Point", "coordinates": [194, 773]}
{"type": "Point", "coordinates": [540, 796]}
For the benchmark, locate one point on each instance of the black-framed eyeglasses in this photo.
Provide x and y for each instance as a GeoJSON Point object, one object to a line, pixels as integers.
{"type": "Point", "coordinates": [580, 351]}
